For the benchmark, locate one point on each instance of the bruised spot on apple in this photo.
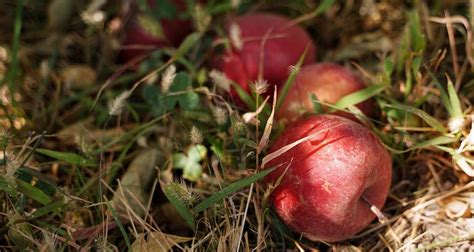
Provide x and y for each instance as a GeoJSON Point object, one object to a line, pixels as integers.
{"type": "Point", "coordinates": [328, 180]}
{"type": "Point", "coordinates": [144, 33]}
{"type": "Point", "coordinates": [283, 44]}
{"type": "Point", "coordinates": [329, 82]}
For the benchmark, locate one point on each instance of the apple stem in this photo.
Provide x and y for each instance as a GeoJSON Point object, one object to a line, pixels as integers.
{"type": "Point", "coordinates": [380, 216]}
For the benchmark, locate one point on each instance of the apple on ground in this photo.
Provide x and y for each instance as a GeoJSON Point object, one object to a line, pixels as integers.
{"type": "Point", "coordinates": [270, 44]}
{"type": "Point", "coordinates": [328, 182]}
{"type": "Point", "coordinates": [328, 82]}
{"type": "Point", "coordinates": [144, 33]}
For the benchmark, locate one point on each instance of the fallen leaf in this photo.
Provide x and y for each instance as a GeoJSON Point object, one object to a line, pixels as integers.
{"type": "Point", "coordinates": [133, 192]}
{"type": "Point", "coordinates": [157, 242]}
{"type": "Point", "coordinates": [78, 76]}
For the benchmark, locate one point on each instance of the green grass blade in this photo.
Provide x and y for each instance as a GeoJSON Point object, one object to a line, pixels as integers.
{"type": "Point", "coordinates": [422, 114]}
{"type": "Point", "coordinates": [15, 64]}
{"type": "Point", "coordinates": [434, 142]}
{"type": "Point", "coordinates": [290, 81]}
{"type": "Point", "coordinates": [68, 157]}
{"type": "Point", "coordinates": [32, 192]}
{"type": "Point", "coordinates": [180, 206]}
{"type": "Point", "coordinates": [53, 207]}
{"type": "Point", "coordinates": [218, 196]}
{"type": "Point", "coordinates": [418, 41]}
{"type": "Point", "coordinates": [451, 151]}
{"type": "Point", "coordinates": [119, 224]}
{"type": "Point", "coordinates": [325, 5]}
{"type": "Point", "coordinates": [454, 101]}
{"type": "Point", "coordinates": [5, 186]}
{"type": "Point", "coordinates": [317, 108]}
{"type": "Point", "coordinates": [187, 44]}
{"type": "Point", "coordinates": [243, 95]}
{"type": "Point", "coordinates": [359, 96]}
{"type": "Point", "coordinates": [444, 95]}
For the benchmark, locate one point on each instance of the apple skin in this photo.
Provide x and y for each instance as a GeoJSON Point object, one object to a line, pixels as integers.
{"type": "Point", "coordinates": [140, 41]}
{"type": "Point", "coordinates": [283, 47]}
{"type": "Point", "coordinates": [329, 82]}
{"type": "Point", "coordinates": [319, 196]}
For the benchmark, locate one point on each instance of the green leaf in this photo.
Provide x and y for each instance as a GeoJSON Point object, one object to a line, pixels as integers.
{"type": "Point", "coordinates": [180, 82]}
{"type": "Point", "coordinates": [189, 100]}
{"type": "Point", "coordinates": [67, 157]}
{"type": "Point", "coordinates": [218, 150]}
{"type": "Point", "coordinates": [179, 160]}
{"type": "Point", "coordinates": [32, 192]}
{"type": "Point", "coordinates": [164, 9]}
{"type": "Point", "coordinates": [192, 171]}
{"type": "Point", "coordinates": [422, 114]}
{"type": "Point", "coordinates": [359, 96]}
{"type": "Point", "coordinates": [154, 99]}
{"type": "Point", "coordinates": [180, 206]}
{"type": "Point", "coordinates": [170, 101]}
{"type": "Point", "coordinates": [225, 192]}
{"type": "Point", "coordinates": [196, 153]}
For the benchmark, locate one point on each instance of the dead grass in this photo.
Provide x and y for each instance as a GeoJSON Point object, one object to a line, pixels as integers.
{"type": "Point", "coordinates": [53, 202]}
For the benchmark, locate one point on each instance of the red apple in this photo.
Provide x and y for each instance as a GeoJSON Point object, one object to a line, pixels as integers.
{"type": "Point", "coordinates": [329, 178]}
{"type": "Point", "coordinates": [283, 47]}
{"type": "Point", "coordinates": [329, 82]}
{"type": "Point", "coordinates": [140, 38]}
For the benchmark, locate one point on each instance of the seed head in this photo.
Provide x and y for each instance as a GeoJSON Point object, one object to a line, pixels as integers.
{"type": "Point", "coordinates": [235, 36]}
{"type": "Point", "coordinates": [195, 135]}
{"type": "Point", "coordinates": [168, 78]}
{"type": "Point", "coordinates": [201, 18]}
{"type": "Point", "coordinates": [260, 86]}
{"type": "Point", "coordinates": [220, 80]}
{"type": "Point", "coordinates": [220, 115]}
{"type": "Point", "coordinates": [235, 3]}
{"type": "Point", "coordinates": [117, 105]}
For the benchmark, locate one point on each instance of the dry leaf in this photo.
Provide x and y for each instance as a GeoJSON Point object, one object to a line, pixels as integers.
{"type": "Point", "coordinates": [68, 135]}
{"type": "Point", "coordinates": [456, 208]}
{"type": "Point", "coordinates": [268, 127]}
{"type": "Point", "coordinates": [251, 117]}
{"type": "Point", "coordinates": [133, 193]}
{"type": "Point", "coordinates": [78, 76]}
{"type": "Point", "coordinates": [157, 242]}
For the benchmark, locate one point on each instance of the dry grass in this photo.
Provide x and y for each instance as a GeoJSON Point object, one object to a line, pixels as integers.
{"type": "Point", "coordinates": [58, 201]}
